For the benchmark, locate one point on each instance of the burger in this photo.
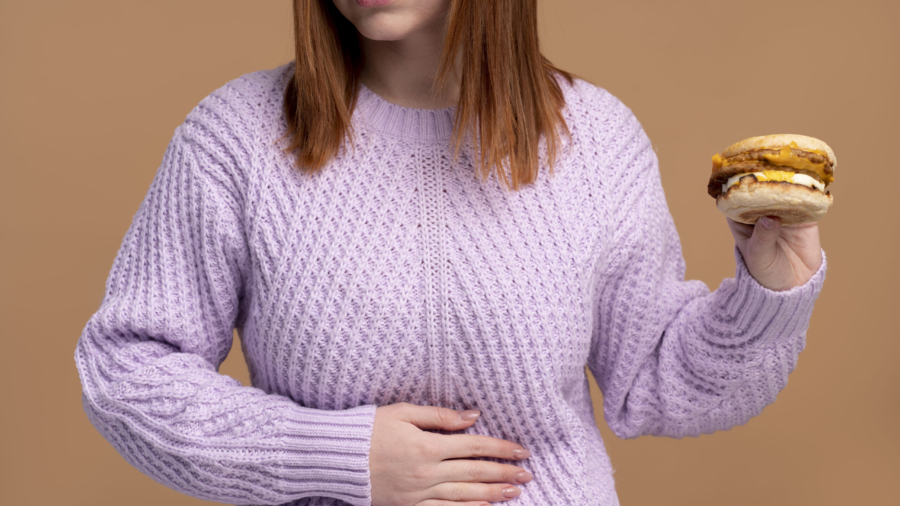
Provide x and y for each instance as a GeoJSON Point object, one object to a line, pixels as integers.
{"type": "Point", "coordinates": [784, 175]}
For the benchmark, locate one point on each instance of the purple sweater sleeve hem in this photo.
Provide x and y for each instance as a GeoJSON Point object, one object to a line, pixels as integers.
{"type": "Point", "coordinates": [775, 314]}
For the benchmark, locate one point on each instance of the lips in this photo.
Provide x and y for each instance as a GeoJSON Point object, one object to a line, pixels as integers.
{"type": "Point", "coordinates": [373, 3]}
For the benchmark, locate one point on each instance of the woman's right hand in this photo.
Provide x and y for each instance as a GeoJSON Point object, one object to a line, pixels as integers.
{"type": "Point", "coordinates": [411, 467]}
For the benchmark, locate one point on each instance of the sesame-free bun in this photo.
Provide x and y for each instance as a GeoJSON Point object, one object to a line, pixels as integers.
{"type": "Point", "coordinates": [778, 141]}
{"type": "Point", "coordinates": [749, 199]}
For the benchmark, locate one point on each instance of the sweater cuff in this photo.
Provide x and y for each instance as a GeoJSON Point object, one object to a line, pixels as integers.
{"type": "Point", "coordinates": [329, 451]}
{"type": "Point", "coordinates": [769, 315]}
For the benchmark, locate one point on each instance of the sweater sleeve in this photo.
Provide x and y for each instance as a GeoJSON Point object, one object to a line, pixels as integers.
{"type": "Point", "coordinates": [148, 358]}
{"type": "Point", "coordinates": [671, 357]}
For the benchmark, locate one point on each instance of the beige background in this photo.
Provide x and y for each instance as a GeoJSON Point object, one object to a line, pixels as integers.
{"type": "Point", "coordinates": [91, 91]}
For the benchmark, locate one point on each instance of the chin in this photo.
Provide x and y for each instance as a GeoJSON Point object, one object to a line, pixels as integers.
{"type": "Point", "coordinates": [396, 20]}
{"type": "Point", "coordinates": [385, 27]}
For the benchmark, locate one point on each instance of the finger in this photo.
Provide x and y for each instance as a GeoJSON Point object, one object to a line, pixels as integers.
{"type": "Point", "coordinates": [480, 471]}
{"type": "Point", "coordinates": [457, 491]}
{"type": "Point", "coordinates": [741, 233]}
{"type": "Point", "coordinates": [457, 446]}
{"type": "Point", "coordinates": [436, 417]}
{"type": "Point", "coordinates": [739, 230]}
{"type": "Point", "coordinates": [763, 242]}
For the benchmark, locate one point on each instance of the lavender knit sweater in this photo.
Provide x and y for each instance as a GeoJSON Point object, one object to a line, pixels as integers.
{"type": "Point", "coordinates": [396, 275]}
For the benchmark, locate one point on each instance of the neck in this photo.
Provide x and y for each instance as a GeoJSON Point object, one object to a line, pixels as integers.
{"type": "Point", "coordinates": [403, 71]}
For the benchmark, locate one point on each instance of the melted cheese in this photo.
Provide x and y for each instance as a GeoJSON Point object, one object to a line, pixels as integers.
{"type": "Point", "coordinates": [786, 158]}
{"type": "Point", "coordinates": [776, 175]}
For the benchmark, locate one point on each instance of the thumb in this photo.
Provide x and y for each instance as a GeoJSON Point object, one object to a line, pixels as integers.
{"type": "Point", "coordinates": [436, 417]}
{"type": "Point", "coordinates": [762, 244]}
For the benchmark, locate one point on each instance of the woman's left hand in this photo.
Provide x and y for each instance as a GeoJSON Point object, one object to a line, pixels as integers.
{"type": "Point", "coordinates": [779, 257]}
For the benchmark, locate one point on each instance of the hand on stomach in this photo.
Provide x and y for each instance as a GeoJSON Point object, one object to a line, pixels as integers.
{"type": "Point", "coordinates": [411, 467]}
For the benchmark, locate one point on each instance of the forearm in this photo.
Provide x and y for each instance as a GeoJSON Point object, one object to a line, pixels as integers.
{"type": "Point", "coordinates": [721, 360]}
{"type": "Point", "coordinates": [176, 419]}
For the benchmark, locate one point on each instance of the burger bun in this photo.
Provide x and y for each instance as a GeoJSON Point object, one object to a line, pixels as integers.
{"type": "Point", "coordinates": [749, 199]}
{"type": "Point", "coordinates": [778, 141]}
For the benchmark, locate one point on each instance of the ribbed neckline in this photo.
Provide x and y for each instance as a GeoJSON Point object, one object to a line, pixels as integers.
{"type": "Point", "coordinates": [426, 125]}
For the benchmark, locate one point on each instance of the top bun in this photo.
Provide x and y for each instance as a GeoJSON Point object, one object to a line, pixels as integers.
{"type": "Point", "coordinates": [778, 141]}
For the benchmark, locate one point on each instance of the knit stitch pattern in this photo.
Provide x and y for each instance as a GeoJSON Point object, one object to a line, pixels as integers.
{"type": "Point", "coordinates": [395, 274]}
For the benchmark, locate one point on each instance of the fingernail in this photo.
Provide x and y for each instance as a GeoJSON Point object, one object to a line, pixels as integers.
{"type": "Point", "coordinates": [523, 476]}
{"type": "Point", "coordinates": [469, 415]}
{"type": "Point", "coordinates": [767, 222]}
{"type": "Point", "coordinates": [510, 492]}
{"type": "Point", "coordinates": [521, 453]}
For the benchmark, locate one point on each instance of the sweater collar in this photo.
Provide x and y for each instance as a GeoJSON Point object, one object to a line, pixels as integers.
{"type": "Point", "coordinates": [423, 125]}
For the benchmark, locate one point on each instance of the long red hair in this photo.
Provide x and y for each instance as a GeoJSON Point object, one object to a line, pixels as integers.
{"type": "Point", "coordinates": [509, 94]}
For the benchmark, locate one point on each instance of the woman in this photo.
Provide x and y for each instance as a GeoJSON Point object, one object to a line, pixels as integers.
{"type": "Point", "coordinates": [389, 289]}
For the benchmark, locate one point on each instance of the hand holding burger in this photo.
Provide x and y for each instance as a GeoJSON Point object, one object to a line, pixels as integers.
{"type": "Point", "coordinates": [765, 182]}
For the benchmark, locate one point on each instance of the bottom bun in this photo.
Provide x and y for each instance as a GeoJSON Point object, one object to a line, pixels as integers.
{"type": "Point", "coordinates": [749, 199]}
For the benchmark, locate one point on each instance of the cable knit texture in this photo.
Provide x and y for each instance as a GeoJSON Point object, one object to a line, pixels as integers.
{"type": "Point", "coordinates": [396, 275]}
